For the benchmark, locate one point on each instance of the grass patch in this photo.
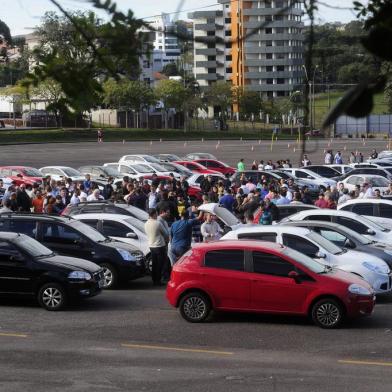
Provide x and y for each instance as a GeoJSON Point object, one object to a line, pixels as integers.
{"type": "Point", "coordinates": [323, 105]}
{"type": "Point", "coordinates": [118, 135]}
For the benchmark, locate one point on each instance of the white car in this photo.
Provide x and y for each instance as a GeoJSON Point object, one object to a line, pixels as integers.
{"type": "Point", "coordinates": [131, 170]}
{"type": "Point", "coordinates": [199, 155]}
{"type": "Point", "coordinates": [158, 169]}
{"type": "Point", "coordinates": [371, 268]}
{"type": "Point", "coordinates": [311, 177]}
{"type": "Point", "coordinates": [358, 223]}
{"type": "Point", "coordinates": [173, 167]}
{"type": "Point", "coordinates": [118, 227]}
{"type": "Point", "coordinates": [341, 168]}
{"type": "Point", "coordinates": [59, 173]}
{"type": "Point", "coordinates": [196, 178]}
{"type": "Point", "coordinates": [377, 182]}
{"type": "Point", "coordinates": [377, 210]}
{"type": "Point", "coordinates": [139, 158]}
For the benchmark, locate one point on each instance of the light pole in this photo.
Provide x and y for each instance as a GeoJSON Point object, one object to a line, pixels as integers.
{"type": "Point", "coordinates": [312, 104]}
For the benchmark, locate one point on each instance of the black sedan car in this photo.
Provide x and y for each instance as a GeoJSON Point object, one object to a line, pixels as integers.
{"type": "Point", "coordinates": [27, 268]}
{"type": "Point", "coordinates": [347, 238]}
{"type": "Point", "coordinates": [69, 237]}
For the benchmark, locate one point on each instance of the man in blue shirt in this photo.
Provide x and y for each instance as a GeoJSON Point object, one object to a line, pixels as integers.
{"type": "Point", "coordinates": [181, 235]}
{"type": "Point", "coordinates": [227, 200]}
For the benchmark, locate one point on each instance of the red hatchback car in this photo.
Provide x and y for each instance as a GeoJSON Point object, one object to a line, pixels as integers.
{"type": "Point", "coordinates": [213, 164]}
{"type": "Point", "coordinates": [21, 174]}
{"type": "Point", "coordinates": [257, 276]}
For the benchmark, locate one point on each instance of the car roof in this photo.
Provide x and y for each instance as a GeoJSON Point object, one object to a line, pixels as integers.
{"type": "Point", "coordinates": [327, 211]}
{"type": "Point", "coordinates": [40, 217]}
{"type": "Point", "coordinates": [115, 217]}
{"type": "Point", "coordinates": [364, 175]}
{"type": "Point", "coordinates": [272, 228]}
{"type": "Point", "coordinates": [57, 167]}
{"type": "Point", "coordinates": [224, 244]}
{"type": "Point", "coordinates": [362, 201]}
{"type": "Point", "coordinates": [17, 167]}
{"type": "Point", "coordinates": [5, 235]}
{"type": "Point", "coordinates": [306, 223]}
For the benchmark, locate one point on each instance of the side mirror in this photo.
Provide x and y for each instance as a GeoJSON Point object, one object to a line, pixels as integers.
{"type": "Point", "coordinates": [295, 276]}
{"type": "Point", "coordinates": [349, 244]}
{"type": "Point", "coordinates": [320, 255]}
{"type": "Point", "coordinates": [131, 235]}
{"type": "Point", "coordinates": [370, 232]}
{"type": "Point", "coordinates": [17, 258]}
{"type": "Point", "coordinates": [19, 175]}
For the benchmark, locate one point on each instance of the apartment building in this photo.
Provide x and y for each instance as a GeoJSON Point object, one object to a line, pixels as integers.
{"type": "Point", "coordinates": [262, 49]}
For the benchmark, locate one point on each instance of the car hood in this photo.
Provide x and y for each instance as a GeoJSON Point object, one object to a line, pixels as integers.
{"type": "Point", "coordinates": [228, 218]}
{"type": "Point", "coordinates": [346, 277]}
{"type": "Point", "coordinates": [357, 257]}
{"type": "Point", "coordinates": [72, 263]}
{"type": "Point", "coordinates": [121, 245]}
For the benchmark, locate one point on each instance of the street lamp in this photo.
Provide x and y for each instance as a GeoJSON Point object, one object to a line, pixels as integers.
{"type": "Point", "coordinates": [312, 104]}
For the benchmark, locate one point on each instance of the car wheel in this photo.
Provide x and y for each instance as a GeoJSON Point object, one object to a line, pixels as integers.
{"type": "Point", "coordinates": [109, 276]}
{"type": "Point", "coordinates": [195, 307]}
{"type": "Point", "coordinates": [327, 313]}
{"type": "Point", "coordinates": [52, 296]}
{"type": "Point", "coordinates": [149, 264]}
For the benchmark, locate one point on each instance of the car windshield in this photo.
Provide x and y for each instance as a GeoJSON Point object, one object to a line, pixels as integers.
{"type": "Point", "coordinates": [71, 172]}
{"type": "Point", "coordinates": [142, 169]}
{"type": "Point", "coordinates": [157, 167]}
{"type": "Point", "coordinates": [369, 223]}
{"type": "Point", "coordinates": [31, 172]}
{"type": "Point", "coordinates": [377, 181]}
{"type": "Point", "coordinates": [88, 231]}
{"type": "Point", "coordinates": [136, 223]}
{"type": "Point", "coordinates": [226, 216]}
{"type": "Point", "coordinates": [32, 247]}
{"type": "Point", "coordinates": [111, 171]}
{"type": "Point", "coordinates": [325, 244]}
{"type": "Point", "coordinates": [136, 212]}
{"type": "Point", "coordinates": [304, 260]}
{"type": "Point", "coordinates": [150, 159]}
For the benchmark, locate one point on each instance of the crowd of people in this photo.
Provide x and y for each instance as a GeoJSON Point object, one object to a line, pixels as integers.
{"type": "Point", "coordinates": [175, 219]}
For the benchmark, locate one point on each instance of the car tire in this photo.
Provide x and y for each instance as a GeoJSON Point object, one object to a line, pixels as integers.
{"type": "Point", "coordinates": [51, 296]}
{"type": "Point", "coordinates": [149, 264]}
{"type": "Point", "coordinates": [195, 307]}
{"type": "Point", "coordinates": [110, 276]}
{"type": "Point", "coordinates": [327, 313]}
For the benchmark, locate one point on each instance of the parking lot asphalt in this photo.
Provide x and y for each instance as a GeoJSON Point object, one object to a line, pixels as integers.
{"type": "Point", "coordinates": [230, 151]}
{"type": "Point", "coordinates": [131, 340]}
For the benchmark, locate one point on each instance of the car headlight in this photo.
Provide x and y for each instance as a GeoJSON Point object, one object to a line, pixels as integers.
{"type": "Point", "coordinates": [127, 256]}
{"type": "Point", "coordinates": [359, 290]}
{"type": "Point", "coordinates": [376, 268]}
{"type": "Point", "coordinates": [79, 275]}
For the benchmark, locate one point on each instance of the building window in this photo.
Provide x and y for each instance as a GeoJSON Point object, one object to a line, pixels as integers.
{"type": "Point", "coordinates": [227, 20]}
{"type": "Point", "coordinates": [268, 30]}
{"type": "Point", "coordinates": [211, 58]}
{"type": "Point", "coordinates": [211, 70]}
{"type": "Point", "coordinates": [227, 33]}
{"type": "Point", "coordinates": [229, 70]}
{"type": "Point", "coordinates": [280, 68]}
{"type": "Point", "coordinates": [269, 81]}
{"type": "Point", "coordinates": [268, 43]}
{"type": "Point", "coordinates": [210, 33]}
{"type": "Point", "coordinates": [280, 81]}
{"type": "Point", "coordinates": [281, 93]}
{"type": "Point", "coordinates": [269, 68]}
{"type": "Point", "coordinates": [268, 56]}
{"type": "Point", "coordinates": [228, 45]}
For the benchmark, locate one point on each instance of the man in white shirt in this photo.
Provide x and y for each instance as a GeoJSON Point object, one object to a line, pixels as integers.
{"type": "Point", "coordinates": [367, 192]}
{"type": "Point", "coordinates": [95, 196]}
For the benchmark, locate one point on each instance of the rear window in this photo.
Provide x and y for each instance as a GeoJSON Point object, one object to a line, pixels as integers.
{"type": "Point", "coordinates": [225, 259]}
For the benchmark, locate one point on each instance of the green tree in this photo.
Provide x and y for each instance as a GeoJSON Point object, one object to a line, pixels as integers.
{"type": "Point", "coordinates": [250, 103]}
{"type": "Point", "coordinates": [79, 50]}
{"type": "Point", "coordinates": [220, 95]}
{"type": "Point", "coordinates": [128, 95]}
{"type": "Point", "coordinates": [172, 94]}
{"type": "Point", "coordinates": [170, 69]}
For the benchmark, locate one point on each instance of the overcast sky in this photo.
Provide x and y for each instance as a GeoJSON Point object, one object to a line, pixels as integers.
{"type": "Point", "coordinates": [22, 15]}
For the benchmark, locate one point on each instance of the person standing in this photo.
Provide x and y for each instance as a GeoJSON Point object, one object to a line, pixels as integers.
{"type": "Point", "coordinates": [241, 165]}
{"type": "Point", "coordinates": [181, 235]}
{"type": "Point", "coordinates": [210, 229]}
{"type": "Point", "coordinates": [328, 159]}
{"type": "Point", "coordinates": [306, 161]}
{"type": "Point", "coordinates": [338, 158]}
{"type": "Point", "coordinates": [100, 135]}
{"type": "Point", "coordinates": [157, 239]}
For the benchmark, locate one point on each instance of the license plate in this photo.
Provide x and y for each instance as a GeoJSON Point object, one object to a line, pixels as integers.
{"type": "Point", "coordinates": [101, 283]}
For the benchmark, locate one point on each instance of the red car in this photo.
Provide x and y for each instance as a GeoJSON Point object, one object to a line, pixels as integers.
{"type": "Point", "coordinates": [213, 164]}
{"type": "Point", "coordinates": [257, 276]}
{"type": "Point", "coordinates": [196, 167]}
{"type": "Point", "coordinates": [22, 174]}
